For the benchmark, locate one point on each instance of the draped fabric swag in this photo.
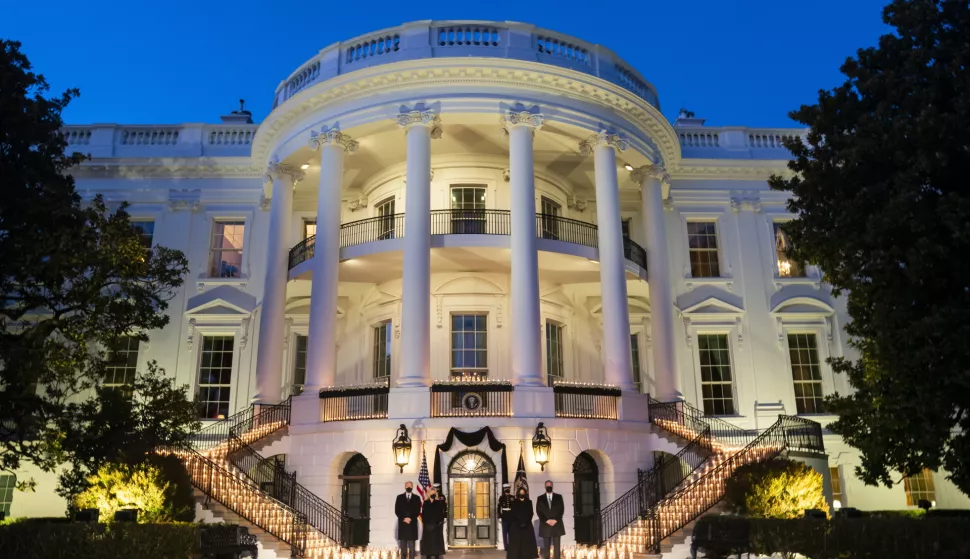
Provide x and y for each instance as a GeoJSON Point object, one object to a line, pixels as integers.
{"type": "Point", "coordinates": [470, 440]}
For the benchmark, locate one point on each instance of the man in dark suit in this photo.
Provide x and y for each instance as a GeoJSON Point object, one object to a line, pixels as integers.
{"type": "Point", "coordinates": [407, 507]}
{"type": "Point", "coordinates": [550, 510]}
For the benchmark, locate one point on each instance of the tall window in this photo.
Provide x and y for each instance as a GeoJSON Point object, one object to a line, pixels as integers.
{"type": "Point", "coordinates": [226, 248]}
{"type": "Point", "coordinates": [299, 364]}
{"type": "Point", "coordinates": [385, 211]}
{"type": "Point", "coordinates": [836, 486]}
{"type": "Point", "coordinates": [382, 350]}
{"type": "Point", "coordinates": [717, 382]}
{"type": "Point", "coordinates": [920, 487]}
{"type": "Point", "coordinates": [469, 345]}
{"type": "Point", "coordinates": [635, 358]}
{"type": "Point", "coordinates": [467, 197]}
{"type": "Point", "coordinates": [702, 243]}
{"type": "Point", "coordinates": [215, 376]}
{"type": "Point", "coordinates": [787, 268]}
{"type": "Point", "coordinates": [8, 483]}
{"type": "Point", "coordinates": [122, 362]}
{"type": "Point", "coordinates": [309, 228]}
{"type": "Point", "coordinates": [146, 231]}
{"type": "Point", "coordinates": [554, 360]}
{"type": "Point", "coordinates": [550, 211]}
{"type": "Point", "coordinates": [468, 210]}
{"type": "Point", "coordinates": [806, 372]}
{"type": "Point", "coordinates": [625, 228]}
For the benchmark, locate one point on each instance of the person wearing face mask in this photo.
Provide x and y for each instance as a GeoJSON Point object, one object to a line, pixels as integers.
{"type": "Point", "coordinates": [522, 536]}
{"type": "Point", "coordinates": [433, 516]}
{"type": "Point", "coordinates": [550, 509]}
{"type": "Point", "coordinates": [504, 507]}
{"type": "Point", "coordinates": [407, 507]}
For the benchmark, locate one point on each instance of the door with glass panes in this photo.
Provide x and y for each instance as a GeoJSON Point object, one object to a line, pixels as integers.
{"type": "Point", "coordinates": [550, 211]}
{"type": "Point", "coordinates": [471, 518]}
{"type": "Point", "coordinates": [385, 219]}
{"type": "Point", "coordinates": [468, 209]}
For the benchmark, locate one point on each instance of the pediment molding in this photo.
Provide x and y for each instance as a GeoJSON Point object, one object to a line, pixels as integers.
{"type": "Point", "coordinates": [802, 308]}
{"type": "Point", "coordinates": [712, 308]}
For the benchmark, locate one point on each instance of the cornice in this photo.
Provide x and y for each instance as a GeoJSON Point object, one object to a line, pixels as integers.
{"type": "Point", "coordinates": [728, 169]}
{"type": "Point", "coordinates": [179, 168]}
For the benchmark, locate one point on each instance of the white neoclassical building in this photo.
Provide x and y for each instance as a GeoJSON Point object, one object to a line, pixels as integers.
{"type": "Point", "coordinates": [468, 230]}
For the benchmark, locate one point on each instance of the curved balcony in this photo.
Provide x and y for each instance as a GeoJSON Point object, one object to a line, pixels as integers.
{"type": "Point", "coordinates": [464, 39]}
{"type": "Point", "coordinates": [468, 222]}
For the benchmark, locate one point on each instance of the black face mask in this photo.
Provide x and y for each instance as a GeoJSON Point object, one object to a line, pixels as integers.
{"type": "Point", "coordinates": [407, 489]}
{"type": "Point", "coordinates": [506, 491]}
{"type": "Point", "coordinates": [548, 489]}
{"type": "Point", "coordinates": [522, 495]}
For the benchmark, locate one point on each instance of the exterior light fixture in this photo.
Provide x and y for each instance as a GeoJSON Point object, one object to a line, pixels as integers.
{"type": "Point", "coordinates": [541, 445]}
{"type": "Point", "coordinates": [402, 447]}
{"type": "Point", "coordinates": [305, 166]}
{"type": "Point", "coordinates": [628, 167]}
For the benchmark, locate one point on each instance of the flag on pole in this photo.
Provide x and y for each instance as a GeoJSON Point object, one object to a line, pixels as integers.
{"type": "Point", "coordinates": [424, 480]}
{"type": "Point", "coordinates": [520, 480]}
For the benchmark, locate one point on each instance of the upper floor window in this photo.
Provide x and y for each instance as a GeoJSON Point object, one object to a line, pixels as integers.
{"type": "Point", "coordinates": [226, 249]}
{"type": "Point", "coordinates": [702, 243]}
{"type": "Point", "coordinates": [215, 376]}
{"type": "Point", "coordinates": [554, 353]}
{"type": "Point", "coordinates": [717, 381]}
{"type": "Point", "coordinates": [550, 211]}
{"type": "Point", "coordinates": [468, 210]}
{"type": "Point", "coordinates": [806, 372]}
{"type": "Point", "coordinates": [385, 211]}
{"type": "Point", "coordinates": [382, 350]}
{"type": "Point", "coordinates": [146, 231]}
{"type": "Point", "coordinates": [467, 197]}
{"type": "Point", "coordinates": [309, 228]}
{"type": "Point", "coordinates": [469, 345]}
{"type": "Point", "coordinates": [121, 364]}
{"type": "Point", "coordinates": [299, 364]}
{"type": "Point", "coordinates": [8, 483]}
{"type": "Point", "coordinates": [625, 227]}
{"type": "Point", "coordinates": [787, 268]}
{"type": "Point", "coordinates": [836, 487]}
{"type": "Point", "coordinates": [635, 358]}
{"type": "Point", "coordinates": [920, 487]}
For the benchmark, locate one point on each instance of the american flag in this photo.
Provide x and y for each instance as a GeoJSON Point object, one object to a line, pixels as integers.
{"type": "Point", "coordinates": [424, 481]}
{"type": "Point", "coordinates": [520, 480]}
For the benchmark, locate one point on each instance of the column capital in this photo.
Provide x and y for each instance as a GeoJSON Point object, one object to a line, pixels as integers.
{"type": "Point", "coordinates": [653, 171]}
{"type": "Point", "coordinates": [279, 171]}
{"type": "Point", "coordinates": [522, 118]}
{"type": "Point", "coordinates": [428, 119]}
{"type": "Point", "coordinates": [332, 136]}
{"type": "Point", "coordinates": [603, 138]}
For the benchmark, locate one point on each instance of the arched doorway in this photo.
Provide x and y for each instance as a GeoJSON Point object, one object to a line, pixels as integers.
{"type": "Point", "coordinates": [471, 518]}
{"type": "Point", "coordinates": [355, 500]}
{"type": "Point", "coordinates": [586, 499]}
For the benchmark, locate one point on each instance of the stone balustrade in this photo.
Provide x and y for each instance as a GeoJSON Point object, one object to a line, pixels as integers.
{"type": "Point", "coordinates": [735, 142]}
{"type": "Point", "coordinates": [461, 39]}
{"type": "Point", "coordinates": [183, 140]}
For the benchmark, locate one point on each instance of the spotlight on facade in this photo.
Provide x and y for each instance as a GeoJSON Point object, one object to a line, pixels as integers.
{"type": "Point", "coordinates": [628, 167]}
{"type": "Point", "coordinates": [541, 445]}
{"type": "Point", "coordinates": [305, 166]}
{"type": "Point", "coordinates": [402, 447]}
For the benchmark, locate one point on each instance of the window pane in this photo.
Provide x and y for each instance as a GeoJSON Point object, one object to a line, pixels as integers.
{"type": "Point", "coordinates": [717, 383]}
{"type": "Point", "coordinates": [299, 361]}
{"type": "Point", "coordinates": [146, 229]}
{"type": "Point", "coordinates": [787, 268]}
{"type": "Point", "coordinates": [920, 487]}
{"type": "Point", "coordinates": [635, 358]}
{"type": "Point", "coordinates": [806, 373]}
{"type": "Point", "coordinates": [215, 376]}
{"type": "Point", "coordinates": [554, 353]}
{"type": "Point", "coordinates": [225, 250]}
{"type": "Point", "coordinates": [121, 364]}
{"type": "Point", "coordinates": [469, 341]}
{"type": "Point", "coordinates": [382, 350]}
{"type": "Point", "coordinates": [703, 255]}
{"type": "Point", "coordinates": [8, 483]}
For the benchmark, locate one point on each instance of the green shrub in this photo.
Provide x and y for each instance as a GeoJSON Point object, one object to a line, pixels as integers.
{"type": "Point", "coordinates": [144, 487]}
{"type": "Point", "coordinates": [180, 495]}
{"type": "Point", "coordinates": [778, 488]}
{"type": "Point", "coordinates": [25, 540]}
{"type": "Point", "coordinates": [902, 513]}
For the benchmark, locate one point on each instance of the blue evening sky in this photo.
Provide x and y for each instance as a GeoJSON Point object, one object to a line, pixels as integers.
{"type": "Point", "coordinates": [742, 62]}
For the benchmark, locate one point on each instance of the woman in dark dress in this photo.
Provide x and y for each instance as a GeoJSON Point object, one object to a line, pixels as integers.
{"type": "Point", "coordinates": [522, 536]}
{"type": "Point", "coordinates": [433, 516]}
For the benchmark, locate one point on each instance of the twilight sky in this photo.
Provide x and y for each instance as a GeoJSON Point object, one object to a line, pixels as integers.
{"type": "Point", "coordinates": [740, 62]}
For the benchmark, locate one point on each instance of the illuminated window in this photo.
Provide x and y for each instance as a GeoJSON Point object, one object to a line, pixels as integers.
{"type": "Point", "coordinates": [121, 364]}
{"type": "Point", "coordinates": [299, 364]}
{"type": "Point", "coordinates": [787, 268]}
{"type": "Point", "coordinates": [226, 249]}
{"type": "Point", "coordinates": [635, 357]}
{"type": "Point", "coordinates": [717, 382]}
{"type": "Point", "coordinates": [837, 496]}
{"type": "Point", "coordinates": [920, 488]}
{"type": "Point", "coordinates": [382, 350]}
{"type": "Point", "coordinates": [554, 359]}
{"type": "Point", "coordinates": [8, 483]}
{"type": "Point", "coordinates": [468, 210]}
{"type": "Point", "coordinates": [146, 231]}
{"type": "Point", "coordinates": [469, 345]}
{"type": "Point", "coordinates": [550, 211]}
{"type": "Point", "coordinates": [806, 373]}
{"type": "Point", "coordinates": [702, 243]}
{"type": "Point", "coordinates": [385, 211]}
{"type": "Point", "coordinates": [466, 197]}
{"type": "Point", "coordinates": [215, 377]}
{"type": "Point", "coordinates": [309, 228]}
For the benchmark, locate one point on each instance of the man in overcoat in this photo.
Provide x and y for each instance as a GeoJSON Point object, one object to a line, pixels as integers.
{"type": "Point", "coordinates": [407, 507]}
{"type": "Point", "coordinates": [550, 510]}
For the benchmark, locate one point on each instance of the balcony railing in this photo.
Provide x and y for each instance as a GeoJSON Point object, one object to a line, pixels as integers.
{"type": "Point", "coordinates": [354, 403]}
{"type": "Point", "coordinates": [468, 222]}
{"type": "Point", "coordinates": [471, 399]}
{"type": "Point", "coordinates": [586, 401]}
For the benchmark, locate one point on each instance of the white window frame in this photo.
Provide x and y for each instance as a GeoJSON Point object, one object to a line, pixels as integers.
{"type": "Point", "coordinates": [638, 334]}
{"type": "Point", "coordinates": [153, 221]}
{"type": "Point", "coordinates": [489, 355]}
{"type": "Point", "coordinates": [822, 365]}
{"type": "Point", "coordinates": [295, 326]}
{"type": "Point", "coordinates": [732, 358]}
{"type": "Point", "coordinates": [233, 371]}
{"type": "Point", "coordinates": [563, 334]}
{"type": "Point", "coordinates": [812, 274]}
{"type": "Point", "coordinates": [8, 488]}
{"type": "Point", "coordinates": [141, 347]}
{"type": "Point", "coordinates": [247, 217]}
{"type": "Point", "coordinates": [387, 323]}
{"type": "Point", "coordinates": [724, 261]}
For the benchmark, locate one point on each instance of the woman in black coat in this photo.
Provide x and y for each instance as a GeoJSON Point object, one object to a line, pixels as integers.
{"type": "Point", "coordinates": [433, 516]}
{"type": "Point", "coordinates": [522, 536]}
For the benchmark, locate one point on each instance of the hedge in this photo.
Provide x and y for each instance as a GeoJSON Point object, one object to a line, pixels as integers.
{"type": "Point", "coordinates": [841, 538]}
{"type": "Point", "coordinates": [30, 540]}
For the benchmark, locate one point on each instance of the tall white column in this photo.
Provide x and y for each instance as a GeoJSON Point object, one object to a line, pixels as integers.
{"type": "Point", "coordinates": [321, 359]}
{"type": "Point", "coordinates": [617, 361]}
{"type": "Point", "coordinates": [654, 181]}
{"type": "Point", "coordinates": [526, 321]}
{"type": "Point", "coordinates": [269, 359]}
{"type": "Point", "coordinates": [419, 127]}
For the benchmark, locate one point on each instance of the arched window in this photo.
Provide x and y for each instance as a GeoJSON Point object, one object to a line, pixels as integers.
{"type": "Point", "coordinates": [586, 499]}
{"type": "Point", "coordinates": [355, 500]}
{"type": "Point", "coordinates": [472, 463]}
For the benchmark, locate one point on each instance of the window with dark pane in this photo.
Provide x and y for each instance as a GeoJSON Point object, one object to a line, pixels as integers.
{"type": "Point", "coordinates": [702, 244]}
{"type": "Point", "coordinates": [469, 343]}
{"type": "Point", "coordinates": [382, 350]}
{"type": "Point", "coordinates": [121, 364]}
{"type": "Point", "coordinates": [787, 268]}
{"type": "Point", "coordinates": [385, 223]}
{"type": "Point", "coordinates": [550, 211]}
{"type": "Point", "coordinates": [806, 373]}
{"type": "Point", "coordinates": [215, 376]}
{"type": "Point", "coordinates": [635, 358]}
{"type": "Point", "coordinates": [554, 352]}
{"type": "Point", "coordinates": [717, 381]}
{"type": "Point", "coordinates": [625, 227]}
{"type": "Point", "coordinates": [146, 231]}
{"type": "Point", "coordinates": [836, 486]}
{"type": "Point", "coordinates": [299, 364]}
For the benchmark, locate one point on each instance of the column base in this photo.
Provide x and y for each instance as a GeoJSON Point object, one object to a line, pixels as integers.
{"type": "Point", "coordinates": [533, 401]}
{"type": "Point", "coordinates": [409, 402]}
{"type": "Point", "coordinates": [305, 408]}
{"type": "Point", "coordinates": [633, 407]}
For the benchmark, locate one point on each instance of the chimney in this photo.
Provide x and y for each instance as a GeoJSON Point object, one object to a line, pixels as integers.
{"type": "Point", "coordinates": [686, 119]}
{"type": "Point", "coordinates": [242, 116]}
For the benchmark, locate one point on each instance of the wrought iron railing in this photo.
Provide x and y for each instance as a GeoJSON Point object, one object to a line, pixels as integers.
{"type": "Point", "coordinates": [303, 251]}
{"type": "Point", "coordinates": [558, 228]}
{"type": "Point", "coordinates": [372, 229]}
{"type": "Point", "coordinates": [634, 253]}
{"type": "Point", "coordinates": [354, 403]}
{"type": "Point", "coordinates": [471, 399]}
{"type": "Point", "coordinates": [686, 421]}
{"type": "Point", "coordinates": [470, 222]}
{"type": "Point", "coordinates": [586, 401]}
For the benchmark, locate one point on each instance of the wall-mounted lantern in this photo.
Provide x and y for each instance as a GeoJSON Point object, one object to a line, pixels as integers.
{"type": "Point", "coordinates": [541, 444]}
{"type": "Point", "coordinates": [402, 447]}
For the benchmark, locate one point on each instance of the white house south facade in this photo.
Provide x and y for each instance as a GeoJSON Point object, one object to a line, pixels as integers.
{"type": "Point", "coordinates": [468, 229]}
